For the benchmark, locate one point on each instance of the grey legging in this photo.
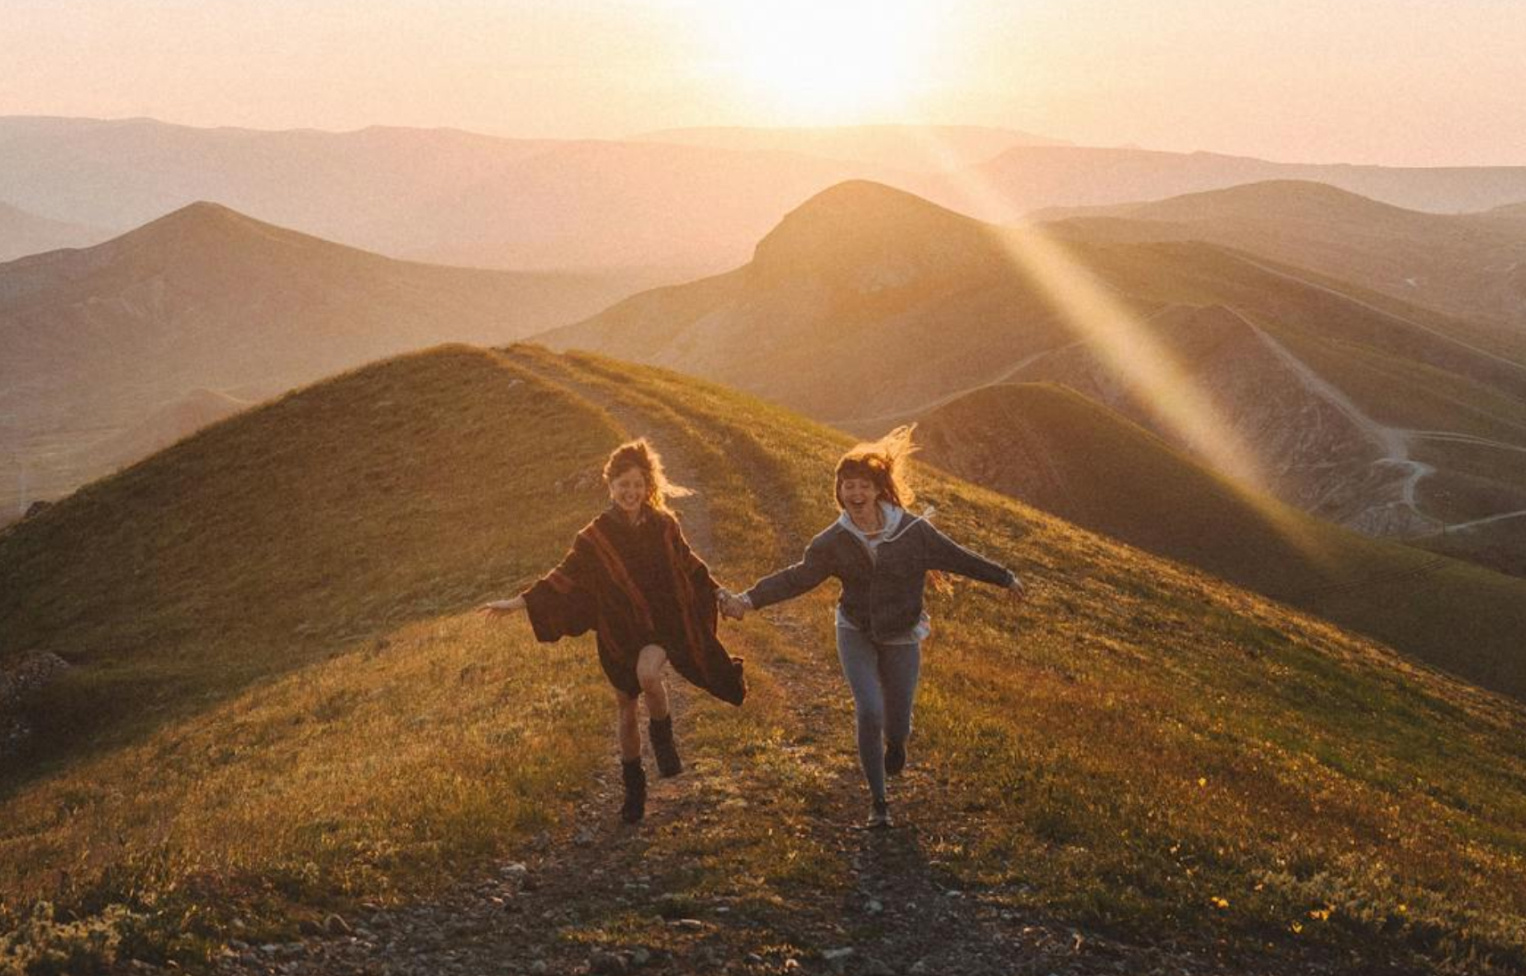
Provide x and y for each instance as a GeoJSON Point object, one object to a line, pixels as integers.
{"type": "Point", "coordinates": [884, 682]}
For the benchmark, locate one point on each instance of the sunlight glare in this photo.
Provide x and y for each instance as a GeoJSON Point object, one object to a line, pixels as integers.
{"type": "Point", "coordinates": [806, 62]}
{"type": "Point", "coordinates": [1129, 348]}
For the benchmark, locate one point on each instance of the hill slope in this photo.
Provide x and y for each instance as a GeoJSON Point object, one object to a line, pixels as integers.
{"type": "Point", "coordinates": [1059, 451]}
{"type": "Point", "coordinates": [96, 339]}
{"type": "Point", "coordinates": [1466, 265]}
{"type": "Point", "coordinates": [1179, 772]}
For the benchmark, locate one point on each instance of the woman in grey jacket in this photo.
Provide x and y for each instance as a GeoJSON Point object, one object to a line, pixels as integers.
{"type": "Point", "coordinates": [881, 554]}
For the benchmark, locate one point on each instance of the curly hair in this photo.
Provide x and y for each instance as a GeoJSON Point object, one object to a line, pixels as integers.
{"type": "Point", "coordinates": [882, 462]}
{"type": "Point", "coordinates": [642, 456]}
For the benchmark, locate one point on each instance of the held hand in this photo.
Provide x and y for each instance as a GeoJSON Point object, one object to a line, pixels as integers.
{"type": "Point", "coordinates": [731, 605]}
{"type": "Point", "coordinates": [502, 608]}
{"type": "Point", "coordinates": [1017, 592]}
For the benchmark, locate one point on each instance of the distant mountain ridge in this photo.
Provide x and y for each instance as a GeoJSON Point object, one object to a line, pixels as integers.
{"type": "Point", "coordinates": [1028, 178]}
{"type": "Point", "coordinates": [931, 147]}
{"type": "Point", "coordinates": [23, 233]}
{"type": "Point", "coordinates": [678, 208]}
{"type": "Point", "coordinates": [1467, 265]}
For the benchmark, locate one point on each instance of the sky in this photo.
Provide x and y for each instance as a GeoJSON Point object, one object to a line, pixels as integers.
{"type": "Point", "coordinates": [1397, 82]}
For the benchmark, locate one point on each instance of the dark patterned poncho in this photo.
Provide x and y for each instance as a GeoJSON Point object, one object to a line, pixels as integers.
{"type": "Point", "coordinates": [612, 582]}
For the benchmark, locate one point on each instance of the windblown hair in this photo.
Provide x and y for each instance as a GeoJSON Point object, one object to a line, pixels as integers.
{"type": "Point", "coordinates": [641, 455]}
{"type": "Point", "coordinates": [882, 462]}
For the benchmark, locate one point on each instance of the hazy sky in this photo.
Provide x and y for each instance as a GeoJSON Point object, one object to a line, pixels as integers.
{"type": "Point", "coordinates": [1391, 81]}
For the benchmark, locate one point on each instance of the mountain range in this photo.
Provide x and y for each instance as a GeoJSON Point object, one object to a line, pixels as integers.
{"type": "Point", "coordinates": [1361, 409]}
{"type": "Point", "coordinates": [677, 203]}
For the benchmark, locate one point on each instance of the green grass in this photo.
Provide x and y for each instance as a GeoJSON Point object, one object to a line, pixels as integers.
{"type": "Point", "coordinates": [1139, 748]}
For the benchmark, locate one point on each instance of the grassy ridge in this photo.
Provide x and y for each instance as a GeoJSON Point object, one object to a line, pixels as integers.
{"type": "Point", "coordinates": [1139, 747]}
{"type": "Point", "coordinates": [388, 494]}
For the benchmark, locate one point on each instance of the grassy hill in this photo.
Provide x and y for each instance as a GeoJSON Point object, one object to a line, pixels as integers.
{"type": "Point", "coordinates": [281, 706]}
{"type": "Point", "coordinates": [1059, 451]}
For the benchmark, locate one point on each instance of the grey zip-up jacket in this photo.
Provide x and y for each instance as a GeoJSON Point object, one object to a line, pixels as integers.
{"type": "Point", "coordinates": [881, 595]}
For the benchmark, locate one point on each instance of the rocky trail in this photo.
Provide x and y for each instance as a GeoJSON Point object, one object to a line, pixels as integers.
{"type": "Point", "coordinates": [595, 896]}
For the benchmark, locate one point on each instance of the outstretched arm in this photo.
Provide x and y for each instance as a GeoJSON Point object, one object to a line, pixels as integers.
{"type": "Point", "coordinates": [813, 568]}
{"type": "Point", "coordinates": [502, 608]}
{"type": "Point", "coordinates": [559, 604]}
{"type": "Point", "coordinates": [946, 554]}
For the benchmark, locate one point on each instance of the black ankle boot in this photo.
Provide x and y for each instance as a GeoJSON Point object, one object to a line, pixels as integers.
{"type": "Point", "coordinates": [660, 731]}
{"type": "Point", "coordinates": [895, 758]}
{"type": "Point", "coordinates": [635, 790]}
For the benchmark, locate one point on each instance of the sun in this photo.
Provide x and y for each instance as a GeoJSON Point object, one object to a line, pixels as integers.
{"type": "Point", "coordinates": [823, 61]}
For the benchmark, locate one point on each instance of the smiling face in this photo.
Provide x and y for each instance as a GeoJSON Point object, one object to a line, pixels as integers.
{"type": "Point", "coordinates": [858, 496]}
{"type": "Point", "coordinates": [628, 490]}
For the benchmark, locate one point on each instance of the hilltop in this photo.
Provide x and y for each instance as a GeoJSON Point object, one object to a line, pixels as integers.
{"type": "Point", "coordinates": [205, 297]}
{"type": "Point", "coordinates": [1141, 767]}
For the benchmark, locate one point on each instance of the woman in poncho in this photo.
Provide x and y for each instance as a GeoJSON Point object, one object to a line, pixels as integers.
{"type": "Point", "coordinates": [632, 579]}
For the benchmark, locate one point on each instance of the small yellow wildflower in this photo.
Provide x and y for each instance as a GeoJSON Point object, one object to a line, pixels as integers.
{"type": "Point", "coordinates": [1220, 903]}
{"type": "Point", "coordinates": [1202, 781]}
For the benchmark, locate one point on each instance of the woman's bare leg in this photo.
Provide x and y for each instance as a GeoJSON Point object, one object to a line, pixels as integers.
{"type": "Point", "coordinates": [660, 728]}
{"type": "Point", "coordinates": [627, 727]}
{"type": "Point", "coordinates": [649, 674]}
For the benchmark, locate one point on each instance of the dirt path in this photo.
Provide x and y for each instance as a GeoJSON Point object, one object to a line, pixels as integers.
{"type": "Point", "coordinates": [1471, 440]}
{"type": "Point", "coordinates": [1393, 442]}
